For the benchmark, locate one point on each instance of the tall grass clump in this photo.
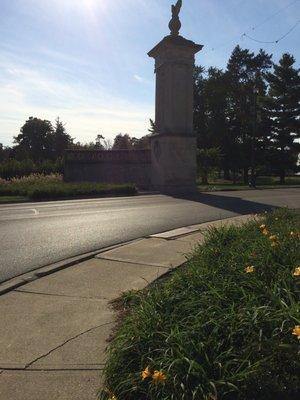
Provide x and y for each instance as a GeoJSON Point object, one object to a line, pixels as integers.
{"type": "Point", "coordinates": [226, 326]}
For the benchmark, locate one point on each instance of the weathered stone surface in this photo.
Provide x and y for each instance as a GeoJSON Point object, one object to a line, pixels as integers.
{"type": "Point", "coordinates": [173, 164]}
{"type": "Point", "coordinates": [49, 385]}
{"type": "Point", "coordinates": [173, 147]}
{"type": "Point", "coordinates": [109, 166]}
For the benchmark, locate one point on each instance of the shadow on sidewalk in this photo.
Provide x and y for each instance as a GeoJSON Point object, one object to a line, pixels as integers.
{"type": "Point", "coordinates": [229, 203]}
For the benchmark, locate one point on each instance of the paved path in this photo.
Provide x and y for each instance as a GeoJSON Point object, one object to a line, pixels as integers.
{"type": "Point", "coordinates": [53, 331]}
{"type": "Point", "coordinates": [33, 235]}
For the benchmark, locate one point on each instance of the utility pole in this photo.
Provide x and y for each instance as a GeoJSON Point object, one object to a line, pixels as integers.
{"type": "Point", "coordinates": [253, 140]}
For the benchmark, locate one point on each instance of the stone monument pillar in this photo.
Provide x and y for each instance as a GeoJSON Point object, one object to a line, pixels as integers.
{"type": "Point", "coordinates": [174, 145]}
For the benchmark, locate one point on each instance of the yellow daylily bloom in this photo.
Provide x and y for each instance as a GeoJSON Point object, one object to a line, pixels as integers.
{"type": "Point", "coordinates": [295, 234]}
{"type": "Point", "coordinates": [296, 331]}
{"type": "Point", "coordinates": [146, 373]}
{"type": "Point", "coordinates": [273, 237]}
{"type": "Point", "coordinates": [111, 395]}
{"type": "Point", "coordinates": [249, 269]}
{"type": "Point", "coordinates": [297, 271]}
{"type": "Point", "coordinates": [159, 377]}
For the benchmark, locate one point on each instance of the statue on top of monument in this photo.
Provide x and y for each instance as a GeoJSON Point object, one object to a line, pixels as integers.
{"type": "Point", "coordinates": [175, 23]}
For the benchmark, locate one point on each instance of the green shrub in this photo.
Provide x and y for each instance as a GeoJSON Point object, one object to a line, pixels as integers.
{"type": "Point", "coordinates": [214, 330]}
{"type": "Point", "coordinates": [55, 191]}
{"type": "Point", "coordinates": [40, 187]}
{"type": "Point", "coordinates": [16, 169]}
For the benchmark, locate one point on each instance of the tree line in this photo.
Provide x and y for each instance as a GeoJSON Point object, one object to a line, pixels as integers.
{"type": "Point", "coordinates": [41, 145]}
{"type": "Point", "coordinates": [246, 119]}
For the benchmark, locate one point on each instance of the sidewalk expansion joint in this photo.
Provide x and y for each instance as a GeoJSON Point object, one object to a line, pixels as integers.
{"type": "Point", "coordinates": [64, 343]}
{"type": "Point", "coordinates": [93, 368]}
{"type": "Point", "coordinates": [61, 295]}
{"type": "Point", "coordinates": [127, 261]}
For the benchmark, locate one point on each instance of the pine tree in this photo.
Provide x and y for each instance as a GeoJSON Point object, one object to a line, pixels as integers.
{"type": "Point", "coordinates": [245, 74]}
{"type": "Point", "coordinates": [283, 106]}
{"type": "Point", "coordinates": [61, 139]}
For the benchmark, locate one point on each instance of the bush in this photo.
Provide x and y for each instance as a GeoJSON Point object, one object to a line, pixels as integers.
{"type": "Point", "coordinates": [213, 330]}
{"type": "Point", "coordinates": [39, 186]}
{"type": "Point", "coordinates": [56, 191]}
{"type": "Point", "coordinates": [16, 169]}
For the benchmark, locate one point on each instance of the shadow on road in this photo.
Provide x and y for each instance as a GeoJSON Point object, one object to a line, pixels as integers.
{"type": "Point", "coordinates": [229, 203]}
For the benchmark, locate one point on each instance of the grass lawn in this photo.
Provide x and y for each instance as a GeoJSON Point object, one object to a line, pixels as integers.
{"type": "Point", "coordinates": [52, 187]}
{"type": "Point", "coordinates": [12, 199]}
{"type": "Point", "coordinates": [225, 326]}
{"type": "Point", "coordinates": [262, 183]}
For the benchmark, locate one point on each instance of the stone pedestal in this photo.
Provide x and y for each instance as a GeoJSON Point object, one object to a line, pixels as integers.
{"type": "Point", "coordinates": [173, 164]}
{"type": "Point", "coordinates": [174, 145]}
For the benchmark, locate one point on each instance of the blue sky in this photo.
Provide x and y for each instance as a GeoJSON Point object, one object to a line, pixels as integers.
{"type": "Point", "coordinates": [86, 60]}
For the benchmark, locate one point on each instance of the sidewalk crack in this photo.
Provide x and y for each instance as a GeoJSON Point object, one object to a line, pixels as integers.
{"type": "Point", "coordinates": [64, 343]}
{"type": "Point", "coordinates": [61, 295]}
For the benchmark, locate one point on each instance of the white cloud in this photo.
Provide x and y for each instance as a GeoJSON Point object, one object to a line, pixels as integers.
{"type": "Point", "coordinates": [138, 78]}
{"type": "Point", "coordinates": [27, 90]}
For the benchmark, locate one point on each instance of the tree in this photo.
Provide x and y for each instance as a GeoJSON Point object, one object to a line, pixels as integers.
{"type": "Point", "coordinates": [208, 160]}
{"type": "Point", "coordinates": [142, 143]}
{"type": "Point", "coordinates": [35, 139]}
{"type": "Point", "coordinates": [152, 128]}
{"type": "Point", "coordinates": [4, 152]}
{"type": "Point", "coordinates": [200, 122]}
{"type": "Point", "coordinates": [283, 106]}
{"type": "Point", "coordinates": [246, 76]}
{"type": "Point", "coordinates": [122, 142]}
{"type": "Point", "coordinates": [61, 140]}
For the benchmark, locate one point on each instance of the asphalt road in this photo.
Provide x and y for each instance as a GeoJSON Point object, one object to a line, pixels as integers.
{"type": "Point", "coordinates": [33, 235]}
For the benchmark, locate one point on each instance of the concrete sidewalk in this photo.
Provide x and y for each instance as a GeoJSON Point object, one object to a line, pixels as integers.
{"type": "Point", "coordinates": [53, 331]}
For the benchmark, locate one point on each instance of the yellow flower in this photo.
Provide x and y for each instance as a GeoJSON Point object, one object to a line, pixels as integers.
{"type": "Point", "coordinates": [273, 237]}
{"type": "Point", "coordinates": [294, 234]}
{"type": "Point", "coordinates": [146, 373]}
{"type": "Point", "coordinates": [250, 269]}
{"type": "Point", "coordinates": [159, 377]}
{"type": "Point", "coordinates": [262, 227]}
{"type": "Point", "coordinates": [111, 395]}
{"type": "Point", "coordinates": [296, 331]}
{"type": "Point", "coordinates": [265, 232]}
{"type": "Point", "coordinates": [297, 271]}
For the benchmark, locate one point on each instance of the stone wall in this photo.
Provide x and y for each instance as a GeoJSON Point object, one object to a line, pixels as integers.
{"type": "Point", "coordinates": [113, 166]}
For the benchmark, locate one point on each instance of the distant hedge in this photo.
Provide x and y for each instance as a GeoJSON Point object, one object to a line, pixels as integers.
{"type": "Point", "coordinates": [15, 169]}
{"type": "Point", "coordinates": [40, 187]}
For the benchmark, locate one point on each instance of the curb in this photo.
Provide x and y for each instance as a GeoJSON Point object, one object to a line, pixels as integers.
{"type": "Point", "coordinates": [41, 272]}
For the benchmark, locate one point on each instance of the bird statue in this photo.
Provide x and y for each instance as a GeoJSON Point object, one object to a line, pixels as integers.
{"type": "Point", "coordinates": [175, 23]}
{"type": "Point", "coordinates": [176, 9]}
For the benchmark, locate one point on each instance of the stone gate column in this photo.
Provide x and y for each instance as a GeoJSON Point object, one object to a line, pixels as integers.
{"type": "Point", "coordinates": [174, 144]}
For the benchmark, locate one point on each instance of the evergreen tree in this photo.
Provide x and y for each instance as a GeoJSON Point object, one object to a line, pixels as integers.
{"type": "Point", "coordinates": [61, 140]}
{"type": "Point", "coordinates": [283, 107]}
{"type": "Point", "coordinates": [246, 77]}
